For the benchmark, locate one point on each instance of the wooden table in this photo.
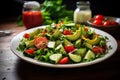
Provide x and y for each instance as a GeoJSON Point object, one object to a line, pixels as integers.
{"type": "Point", "coordinates": [13, 68]}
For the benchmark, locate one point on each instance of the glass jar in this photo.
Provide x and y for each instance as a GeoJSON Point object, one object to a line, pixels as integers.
{"type": "Point", "coordinates": [83, 12]}
{"type": "Point", "coordinates": [31, 15]}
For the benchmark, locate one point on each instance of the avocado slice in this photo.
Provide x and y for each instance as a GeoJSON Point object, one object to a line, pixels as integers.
{"type": "Point", "coordinates": [56, 33]}
{"type": "Point", "coordinates": [88, 45]}
{"type": "Point", "coordinates": [74, 36]}
{"type": "Point", "coordinates": [66, 42]}
{"type": "Point", "coordinates": [29, 43]}
{"type": "Point", "coordinates": [35, 32]}
{"type": "Point", "coordinates": [94, 41]}
{"type": "Point", "coordinates": [78, 43]}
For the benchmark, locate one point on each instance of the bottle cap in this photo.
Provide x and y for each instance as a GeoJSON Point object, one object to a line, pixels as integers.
{"type": "Point", "coordinates": [31, 4]}
{"type": "Point", "coordinates": [83, 3]}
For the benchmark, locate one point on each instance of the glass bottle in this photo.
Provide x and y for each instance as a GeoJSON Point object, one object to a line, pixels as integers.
{"type": "Point", "coordinates": [31, 14]}
{"type": "Point", "coordinates": [83, 12]}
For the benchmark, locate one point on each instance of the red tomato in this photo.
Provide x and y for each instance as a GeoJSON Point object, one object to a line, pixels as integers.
{"type": "Point", "coordinates": [64, 60]}
{"type": "Point", "coordinates": [85, 28]}
{"type": "Point", "coordinates": [104, 47]}
{"type": "Point", "coordinates": [97, 22]}
{"type": "Point", "coordinates": [62, 23]}
{"type": "Point", "coordinates": [29, 51]}
{"type": "Point", "coordinates": [98, 50]}
{"type": "Point", "coordinates": [99, 17]}
{"type": "Point", "coordinates": [67, 32]}
{"type": "Point", "coordinates": [69, 48]}
{"type": "Point", "coordinates": [32, 18]}
{"type": "Point", "coordinates": [41, 42]}
{"type": "Point", "coordinates": [26, 35]}
{"type": "Point", "coordinates": [106, 23]}
{"type": "Point", "coordinates": [114, 23]}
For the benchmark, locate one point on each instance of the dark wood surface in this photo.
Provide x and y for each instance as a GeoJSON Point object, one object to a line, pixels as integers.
{"type": "Point", "coordinates": [14, 68]}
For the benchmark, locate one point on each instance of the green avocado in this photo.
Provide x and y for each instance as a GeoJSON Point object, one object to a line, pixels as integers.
{"type": "Point", "coordinates": [66, 42]}
{"type": "Point", "coordinates": [29, 44]}
{"type": "Point", "coordinates": [78, 43]}
{"type": "Point", "coordinates": [93, 41]}
{"type": "Point", "coordinates": [88, 45]}
{"type": "Point", "coordinates": [56, 33]}
{"type": "Point", "coordinates": [35, 32]}
{"type": "Point", "coordinates": [74, 36]}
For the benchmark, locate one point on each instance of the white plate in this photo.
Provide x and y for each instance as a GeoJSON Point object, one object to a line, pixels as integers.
{"type": "Point", "coordinates": [16, 40]}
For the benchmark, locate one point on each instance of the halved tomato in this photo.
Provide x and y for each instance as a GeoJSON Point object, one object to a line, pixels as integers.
{"type": "Point", "coordinates": [41, 42]}
{"type": "Point", "coordinates": [64, 60]}
{"type": "Point", "coordinates": [98, 50]}
{"type": "Point", "coordinates": [67, 32]}
{"type": "Point", "coordinates": [30, 51]}
{"type": "Point", "coordinates": [69, 48]}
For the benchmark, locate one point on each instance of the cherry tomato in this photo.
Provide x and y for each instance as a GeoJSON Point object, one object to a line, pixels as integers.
{"type": "Point", "coordinates": [64, 60]}
{"type": "Point", "coordinates": [104, 47]}
{"type": "Point", "coordinates": [98, 50]}
{"type": "Point", "coordinates": [86, 29]}
{"type": "Point", "coordinates": [106, 23]}
{"type": "Point", "coordinates": [69, 48]}
{"type": "Point", "coordinates": [97, 22]}
{"type": "Point", "coordinates": [114, 23]}
{"type": "Point", "coordinates": [67, 32]}
{"type": "Point", "coordinates": [99, 17]}
{"type": "Point", "coordinates": [29, 51]}
{"type": "Point", "coordinates": [26, 35]}
{"type": "Point", "coordinates": [41, 42]}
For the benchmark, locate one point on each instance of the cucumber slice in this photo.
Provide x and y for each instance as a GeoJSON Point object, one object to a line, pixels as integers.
{"type": "Point", "coordinates": [70, 24]}
{"type": "Point", "coordinates": [58, 47]}
{"type": "Point", "coordinates": [89, 55]}
{"type": "Point", "coordinates": [81, 51]}
{"type": "Point", "coordinates": [51, 44]}
{"type": "Point", "coordinates": [74, 57]}
{"type": "Point", "coordinates": [55, 57]}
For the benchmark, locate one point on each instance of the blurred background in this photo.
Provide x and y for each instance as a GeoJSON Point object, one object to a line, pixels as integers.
{"type": "Point", "coordinates": [10, 8]}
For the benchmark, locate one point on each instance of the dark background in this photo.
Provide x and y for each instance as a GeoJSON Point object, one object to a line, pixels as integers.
{"type": "Point", "coordinates": [10, 8]}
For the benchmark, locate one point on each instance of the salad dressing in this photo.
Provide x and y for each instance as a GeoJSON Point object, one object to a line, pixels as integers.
{"type": "Point", "coordinates": [31, 16]}
{"type": "Point", "coordinates": [83, 12]}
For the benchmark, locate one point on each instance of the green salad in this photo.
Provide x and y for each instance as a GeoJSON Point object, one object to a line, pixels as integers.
{"type": "Point", "coordinates": [64, 43]}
